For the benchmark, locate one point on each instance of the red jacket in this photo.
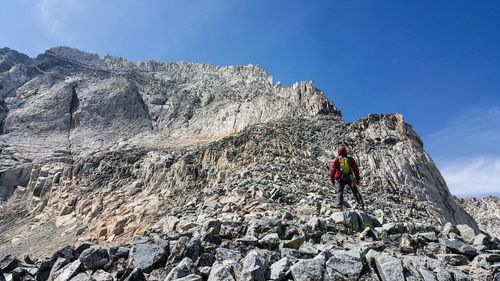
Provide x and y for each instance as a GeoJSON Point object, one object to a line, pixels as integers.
{"type": "Point", "coordinates": [335, 173]}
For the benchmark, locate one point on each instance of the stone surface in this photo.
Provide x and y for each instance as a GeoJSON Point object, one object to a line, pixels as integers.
{"type": "Point", "coordinates": [148, 253]}
{"type": "Point", "coordinates": [279, 268]}
{"type": "Point", "coordinates": [466, 232]}
{"type": "Point", "coordinates": [453, 259]}
{"type": "Point", "coordinates": [181, 270]}
{"type": "Point", "coordinates": [311, 270]}
{"type": "Point", "coordinates": [254, 267]}
{"type": "Point", "coordinates": [220, 272]}
{"type": "Point", "coordinates": [344, 265]}
{"type": "Point", "coordinates": [459, 247]}
{"type": "Point", "coordinates": [68, 271]}
{"type": "Point", "coordinates": [94, 258]}
{"type": "Point", "coordinates": [101, 275]}
{"type": "Point", "coordinates": [389, 268]}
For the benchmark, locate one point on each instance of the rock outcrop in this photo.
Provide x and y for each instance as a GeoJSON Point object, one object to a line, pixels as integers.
{"type": "Point", "coordinates": [486, 211]}
{"type": "Point", "coordinates": [218, 172]}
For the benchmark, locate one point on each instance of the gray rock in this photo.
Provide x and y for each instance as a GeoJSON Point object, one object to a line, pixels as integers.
{"type": "Point", "coordinates": [68, 271]}
{"type": "Point", "coordinates": [101, 275]}
{"type": "Point", "coordinates": [294, 243]}
{"type": "Point", "coordinates": [452, 259]}
{"type": "Point", "coordinates": [427, 237]}
{"type": "Point", "coordinates": [406, 243]}
{"type": "Point", "coordinates": [254, 267]}
{"type": "Point", "coordinates": [270, 240]}
{"type": "Point", "coordinates": [308, 249]}
{"type": "Point", "coordinates": [223, 254]}
{"type": "Point", "coordinates": [426, 274]}
{"type": "Point", "coordinates": [449, 228]}
{"type": "Point", "coordinates": [422, 262]}
{"type": "Point", "coordinates": [260, 227]}
{"type": "Point", "coordinates": [459, 247]}
{"type": "Point", "coordinates": [135, 275]}
{"type": "Point", "coordinates": [443, 274]}
{"type": "Point", "coordinates": [148, 253]}
{"type": "Point", "coordinates": [480, 239]}
{"type": "Point", "coordinates": [191, 277]}
{"type": "Point", "coordinates": [466, 232]}
{"type": "Point", "coordinates": [349, 219]}
{"type": "Point", "coordinates": [460, 276]}
{"type": "Point", "coordinates": [84, 276]}
{"type": "Point", "coordinates": [345, 265]}
{"type": "Point", "coordinates": [316, 224]}
{"type": "Point", "coordinates": [194, 249]}
{"type": "Point", "coordinates": [279, 268]}
{"type": "Point", "coordinates": [389, 268]}
{"type": "Point", "coordinates": [94, 257]}
{"type": "Point", "coordinates": [8, 263]}
{"type": "Point", "coordinates": [116, 253]}
{"type": "Point", "coordinates": [394, 228]}
{"type": "Point", "coordinates": [308, 270]}
{"type": "Point", "coordinates": [183, 269]}
{"type": "Point", "coordinates": [220, 272]}
{"type": "Point", "coordinates": [58, 264]}
{"type": "Point", "coordinates": [368, 220]}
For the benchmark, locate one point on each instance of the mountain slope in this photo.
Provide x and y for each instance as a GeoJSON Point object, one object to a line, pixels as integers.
{"type": "Point", "coordinates": [105, 149]}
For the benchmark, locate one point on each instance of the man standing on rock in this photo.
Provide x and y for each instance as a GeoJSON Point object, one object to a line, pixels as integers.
{"type": "Point", "coordinates": [344, 171]}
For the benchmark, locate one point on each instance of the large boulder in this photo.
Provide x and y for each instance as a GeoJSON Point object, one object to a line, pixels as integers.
{"type": "Point", "coordinates": [349, 219]}
{"type": "Point", "coordinates": [308, 270]}
{"type": "Point", "coordinates": [220, 272]}
{"type": "Point", "coordinates": [458, 247]}
{"type": "Point", "coordinates": [466, 232]}
{"type": "Point", "coordinates": [94, 258]}
{"type": "Point", "coordinates": [344, 265]}
{"type": "Point", "coordinates": [135, 275]}
{"type": "Point", "coordinates": [389, 268]}
{"type": "Point", "coordinates": [68, 271]}
{"type": "Point", "coordinates": [254, 267]}
{"type": "Point", "coordinates": [101, 275]}
{"type": "Point", "coordinates": [279, 268]}
{"type": "Point", "coordinates": [182, 269]}
{"type": "Point", "coordinates": [260, 227]}
{"type": "Point", "coordinates": [148, 253]}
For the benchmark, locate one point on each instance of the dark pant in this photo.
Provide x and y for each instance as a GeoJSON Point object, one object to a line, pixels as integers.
{"type": "Point", "coordinates": [339, 186]}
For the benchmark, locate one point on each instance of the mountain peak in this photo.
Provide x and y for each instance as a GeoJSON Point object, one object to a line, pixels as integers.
{"type": "Point", "coordinates": [73, 54]}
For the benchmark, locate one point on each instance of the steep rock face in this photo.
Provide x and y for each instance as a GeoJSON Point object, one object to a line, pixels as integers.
{"type": "Point", "coordinates": [486, 211]}
{"type": "Point", "coordinates": [105, 148]}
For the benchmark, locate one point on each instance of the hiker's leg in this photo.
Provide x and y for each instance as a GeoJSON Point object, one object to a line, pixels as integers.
{"type": "Point", "coordinates": [339, 188]}
{"type": "Point", "coordinates": [357, 195]}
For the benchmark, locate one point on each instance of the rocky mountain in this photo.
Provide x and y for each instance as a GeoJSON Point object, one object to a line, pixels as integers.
{"type": "Point", "coordinates": [163, 171]}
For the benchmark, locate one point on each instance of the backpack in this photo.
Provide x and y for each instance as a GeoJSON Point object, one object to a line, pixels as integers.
{"type": "Point", "coordinates": [345, 166]}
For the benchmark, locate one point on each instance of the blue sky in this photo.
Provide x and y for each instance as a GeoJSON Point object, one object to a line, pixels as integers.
{"type": "Point", "coordinates": [436, 62]}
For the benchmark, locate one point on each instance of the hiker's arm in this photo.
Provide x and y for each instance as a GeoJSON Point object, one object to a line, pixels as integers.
{"type": "Point", "coordinates": [333, 169]}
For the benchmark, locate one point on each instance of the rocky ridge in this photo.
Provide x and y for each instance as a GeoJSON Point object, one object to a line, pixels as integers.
{"type": "Point", "coordinates": [104, 150]}
{"type": "Point", "coordinates": [486, 211]}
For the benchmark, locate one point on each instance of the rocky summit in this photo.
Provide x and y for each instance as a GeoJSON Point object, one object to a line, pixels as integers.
{"type": "Point", "coordinates": [118, 170]}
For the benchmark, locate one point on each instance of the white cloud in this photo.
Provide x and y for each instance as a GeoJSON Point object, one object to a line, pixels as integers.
{"type": "Point", "coordinates": [473, 176]}
{"type": "Point", "coordinates": [474, 131]}
{"type": "Point", "coordinates": [55, 16]}
{"type": "Point", "coordinates": [467, 151]}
